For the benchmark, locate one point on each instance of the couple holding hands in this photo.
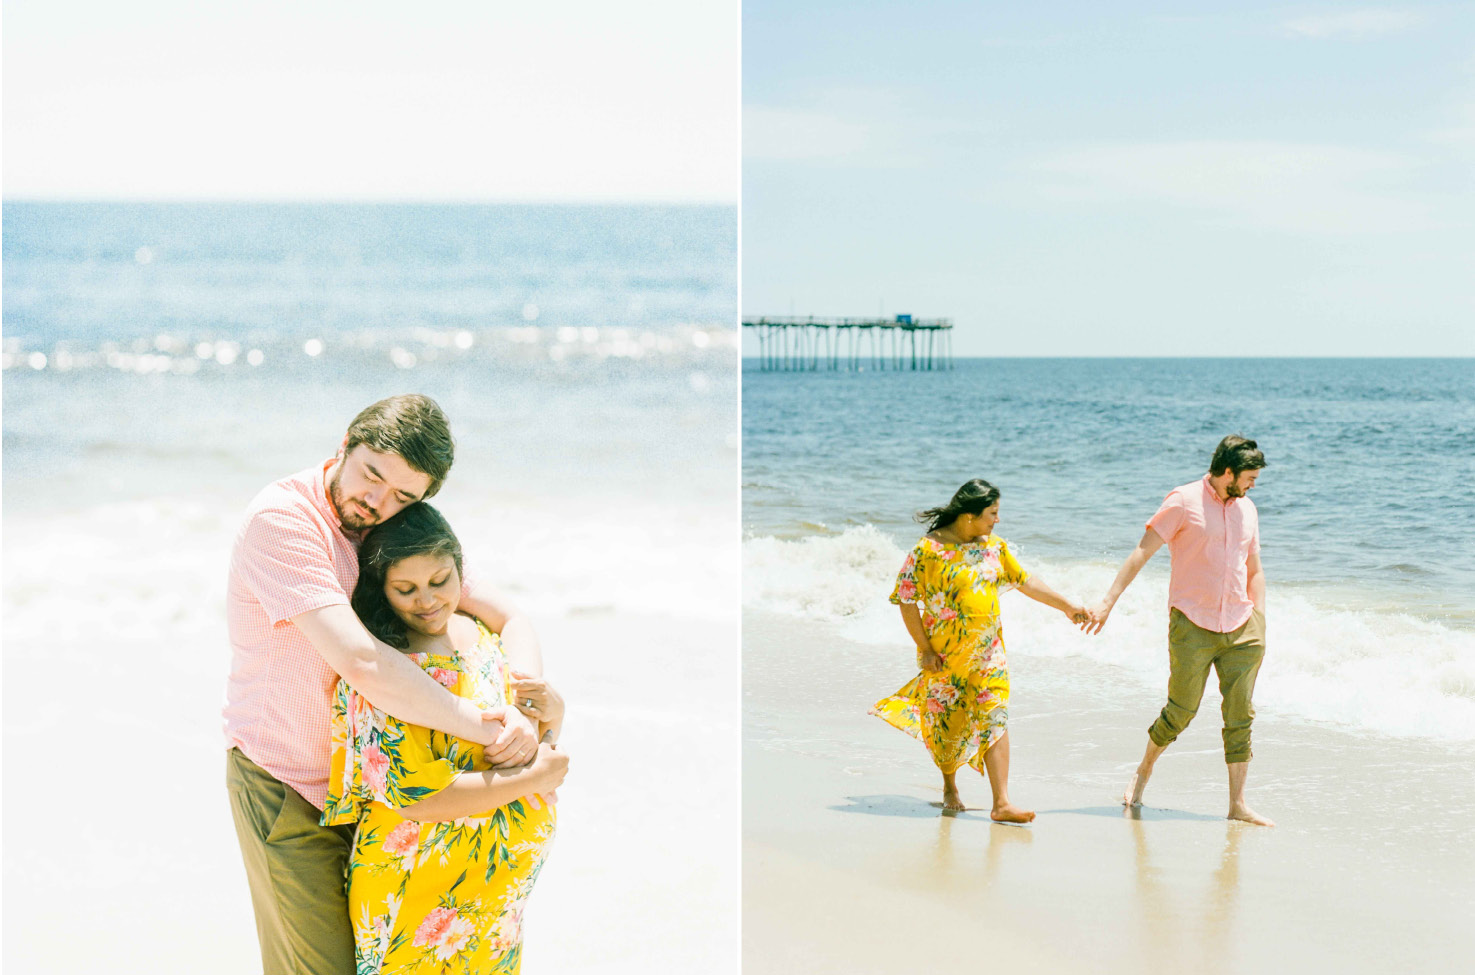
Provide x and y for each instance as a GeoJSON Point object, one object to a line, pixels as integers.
{"type": "Point", "coordinates": [948, 588]}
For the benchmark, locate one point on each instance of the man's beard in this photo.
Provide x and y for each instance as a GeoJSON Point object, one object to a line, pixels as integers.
{"type": "Point", "coordinates": [350, 521]}
{"type": "Point", "coordinates": [1234, 490]}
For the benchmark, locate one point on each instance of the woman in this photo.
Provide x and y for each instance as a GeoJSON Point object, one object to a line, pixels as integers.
{"type": "Point", "coordinates": [447, 848]}
{"type": "Point", "coordinates": [948, 592]}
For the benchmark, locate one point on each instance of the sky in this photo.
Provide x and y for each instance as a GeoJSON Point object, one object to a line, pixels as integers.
{"type": "Point", "coordinates": [485, 100]}
{"type": "Point", "coordinates": [1211, 179]}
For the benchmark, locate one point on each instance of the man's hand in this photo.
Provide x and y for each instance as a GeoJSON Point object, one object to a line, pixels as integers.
{"type": "Point", "coordinates": [517, 743]}
{"type": "Point", "coordinates": [550, 764]}
{"type": "Point", "coordinates": [1096, 617]}
{"type": "Point", "coordinates": [536, 698]}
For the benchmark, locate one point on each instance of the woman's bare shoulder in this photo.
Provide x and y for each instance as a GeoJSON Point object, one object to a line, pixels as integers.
{"type": "Point", "coordinates": [464, 631]}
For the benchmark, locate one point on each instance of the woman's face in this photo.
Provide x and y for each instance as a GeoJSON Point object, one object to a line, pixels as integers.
{"type": "Point", "coordinates": [972, 527]}
{"type": "Point", "coordinates": [424, 591]}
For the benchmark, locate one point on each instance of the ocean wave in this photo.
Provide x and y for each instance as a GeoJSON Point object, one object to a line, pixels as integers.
{"type": "Point", "coordinates": [1388, 673]}
{"type": "Point", "coordinates": [153, 572]}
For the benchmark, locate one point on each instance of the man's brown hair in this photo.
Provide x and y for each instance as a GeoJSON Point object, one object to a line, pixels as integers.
{"type": "Point", "coordinates": [1238, 454]}
{"type": "Point", "coordinates": [411, 426]}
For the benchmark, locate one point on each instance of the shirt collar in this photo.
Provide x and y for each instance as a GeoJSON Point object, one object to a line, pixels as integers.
{"type": "Point", "coordinates": [1213, 496]}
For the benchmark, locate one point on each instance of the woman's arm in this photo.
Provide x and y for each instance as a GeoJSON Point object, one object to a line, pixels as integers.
{"type": "Point", "coordinates": [502, 617]}
{"type": "Point", "coordinates": [1035, 588]}
{"type": "Point", "coordinates": [476, 793]}
{"type": "Point", "coordinates": [929, 659]}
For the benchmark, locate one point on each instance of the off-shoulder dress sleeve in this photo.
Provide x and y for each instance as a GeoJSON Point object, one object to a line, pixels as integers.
{"type": "Point", "coordinates": [379, 757]}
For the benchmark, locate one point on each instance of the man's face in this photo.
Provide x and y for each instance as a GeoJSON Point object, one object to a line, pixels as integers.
{"type": "Point", "coordinates": [1241, 483]}
{"type": "Point", "coordinates": [368, 487]}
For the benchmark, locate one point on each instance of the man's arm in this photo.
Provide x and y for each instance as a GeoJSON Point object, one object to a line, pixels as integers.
{"type": "Point", "coordinates": [1151, 542]}
{"type": "Point", "coordinates": [391, 682]}
{"type": "Point", "coordinates": [1255, 581]}
{"type": "Point", "coordinates": [519, 641]}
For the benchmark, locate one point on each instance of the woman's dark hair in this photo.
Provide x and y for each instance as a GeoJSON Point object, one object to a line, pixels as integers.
{"type": "Point", "coordinates": [417, 530]}
{"type": "Point", "coordinates": [1237, 454]}
{"type": "Point", "coordinates": [970, 499]}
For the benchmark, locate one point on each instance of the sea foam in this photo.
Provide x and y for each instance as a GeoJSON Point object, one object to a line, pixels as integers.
{"type": "Point", "coordinates": [1370, 670]}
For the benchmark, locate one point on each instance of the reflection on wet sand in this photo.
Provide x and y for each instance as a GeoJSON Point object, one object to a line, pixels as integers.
{"type": "Point", "coordinates": [1174, 931]}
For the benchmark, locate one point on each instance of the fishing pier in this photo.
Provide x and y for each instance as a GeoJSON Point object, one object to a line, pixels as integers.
{"type": "Point", "coordinates": [812, 344]}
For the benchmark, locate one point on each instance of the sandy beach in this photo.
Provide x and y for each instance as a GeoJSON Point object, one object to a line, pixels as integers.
{"type": "Point", "coordinates": [129, 834]}
{"type": "Point", "coordinates": [849, 863]}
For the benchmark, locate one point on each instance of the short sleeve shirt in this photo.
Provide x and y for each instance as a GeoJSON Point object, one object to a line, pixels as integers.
{"type": "Point", "coordinates": [1210, 542]}
{"type": "Point", "coordinates": [291, 556]}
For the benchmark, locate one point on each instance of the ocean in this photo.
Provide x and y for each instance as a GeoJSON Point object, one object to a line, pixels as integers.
{"type": "Point", "coordinates": [163, 362]}
{"type": "Point", "coordinates": [1367, 513]}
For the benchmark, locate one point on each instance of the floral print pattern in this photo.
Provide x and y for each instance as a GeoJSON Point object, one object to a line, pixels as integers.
{"type": "Point", "coordinates": [442, 897]}
{"type": "Point", "coordinates": [959, 711]}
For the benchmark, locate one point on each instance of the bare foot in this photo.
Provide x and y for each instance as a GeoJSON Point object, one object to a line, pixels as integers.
{"type": "Point", "coordinates": [1245, 814]}
{"type": "Point", "coordinates": [1010, 813]}
{"type": "Point", "coordinates": [951, 801]}
{"type": "Point", "coordinates": [1132, 794]}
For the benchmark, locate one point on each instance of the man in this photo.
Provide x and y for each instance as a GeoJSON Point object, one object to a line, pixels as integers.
{"type": "Point", "coordinates": [292, 633]}
{"type": "Point", "coordinates": [1216, 597]}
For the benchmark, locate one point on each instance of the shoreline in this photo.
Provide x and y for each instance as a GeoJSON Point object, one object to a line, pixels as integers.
{"type": "Point", "coordinates": [1370, 837]}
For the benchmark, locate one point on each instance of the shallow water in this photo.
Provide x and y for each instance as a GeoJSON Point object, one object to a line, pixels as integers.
{"type": "Point", "coordinates": [1367, 541]}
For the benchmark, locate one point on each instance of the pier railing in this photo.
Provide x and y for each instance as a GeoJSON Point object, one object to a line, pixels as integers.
{"type": "Point", "coordinates": [811, 344]}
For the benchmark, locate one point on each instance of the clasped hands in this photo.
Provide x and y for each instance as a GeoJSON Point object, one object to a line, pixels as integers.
{"type": "Point", "coordinates": [1089, 618]}
{"type": "Point", "coordinates": [511, 738]}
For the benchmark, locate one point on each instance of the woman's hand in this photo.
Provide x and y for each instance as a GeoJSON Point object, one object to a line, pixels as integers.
{"type": "Point", "coordinates": [1078, 614]}
{"type": "Point", "coordinates": [537, 698]}
{"type": "Point", "coordinates": [930, 660]}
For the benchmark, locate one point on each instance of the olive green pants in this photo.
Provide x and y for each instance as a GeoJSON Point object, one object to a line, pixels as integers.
{"type": "Point", "coordinates": [1236, 656]}
{"type": "Point", "coordinates": [297, 870]}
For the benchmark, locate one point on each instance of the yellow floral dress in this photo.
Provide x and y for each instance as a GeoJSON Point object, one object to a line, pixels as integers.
{"type": "Point", "coordinates": [959, 711]}
{"type": "Point", "coordinates": [432, 897]}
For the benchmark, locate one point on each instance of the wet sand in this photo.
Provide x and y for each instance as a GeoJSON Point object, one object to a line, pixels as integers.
{"type": "Point", "coordinates": [849, 861]}
{"type": "Point", "coordinates": [119, 850]}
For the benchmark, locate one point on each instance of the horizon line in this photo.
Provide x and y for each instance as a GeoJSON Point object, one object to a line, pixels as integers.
{"type": "Point", "coordinates": [381, 201]}
{"type": "Point", "coordinates": [1226, 358]}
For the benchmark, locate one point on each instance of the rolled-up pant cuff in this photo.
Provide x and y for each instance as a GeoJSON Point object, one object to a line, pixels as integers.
{"type": "Point", "coordinates": [1162, 738]}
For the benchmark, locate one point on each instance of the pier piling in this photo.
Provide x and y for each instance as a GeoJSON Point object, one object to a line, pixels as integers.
{"type": "Point", "coordinates": [809, 344]}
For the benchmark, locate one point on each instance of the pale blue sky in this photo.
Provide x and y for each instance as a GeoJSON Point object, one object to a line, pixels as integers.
{"type": "Point", "coordinates": [575, 100]}
{"type": "Point", "coordinates": [1117, 179]}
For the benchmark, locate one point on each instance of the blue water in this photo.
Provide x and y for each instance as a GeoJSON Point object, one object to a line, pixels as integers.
{"type": "Point", "coordinates": [195, 348]}
{"type": "Point", "coordinates": [117, 271]}
{"type": "Point", "coordinates": [1369, 497]}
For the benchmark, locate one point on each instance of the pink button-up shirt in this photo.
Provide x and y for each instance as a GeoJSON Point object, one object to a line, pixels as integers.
{"type": "Point", "coordinates": [291, 555]}
{"type": "Point", "coordinates": [1211, 542]}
